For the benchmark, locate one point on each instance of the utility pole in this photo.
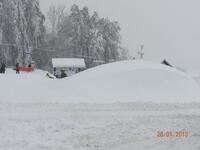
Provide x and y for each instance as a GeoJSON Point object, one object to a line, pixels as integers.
{"type": "Point", "coordinates": [28, 56]}
{"type": "Point", "coordinates": [1, 35]}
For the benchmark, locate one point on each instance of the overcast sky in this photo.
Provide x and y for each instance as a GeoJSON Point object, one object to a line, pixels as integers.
{"type": "Point", "coordinates": [167, 28]}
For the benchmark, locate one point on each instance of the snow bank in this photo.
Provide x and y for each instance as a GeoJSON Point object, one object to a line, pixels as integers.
{"type": "Point", "coordinates": [136, 81]}
{"type": "Point", "coordinates": [124, 81]}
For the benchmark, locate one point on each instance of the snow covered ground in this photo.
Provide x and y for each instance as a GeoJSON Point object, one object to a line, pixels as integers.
{"type": "Point", "coordinates": [127, 126]}
{"type": "Point", "coordinates": [126, 81]}
{"type": "Point", "coordinates": [100, 109]}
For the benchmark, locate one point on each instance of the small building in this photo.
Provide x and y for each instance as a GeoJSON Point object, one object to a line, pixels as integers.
{"type": "Point", "coordinates": [64, 67]}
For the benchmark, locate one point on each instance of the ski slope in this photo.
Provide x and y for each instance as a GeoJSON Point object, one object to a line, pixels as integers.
{"type": "Point", "coordinates": [125, 81]}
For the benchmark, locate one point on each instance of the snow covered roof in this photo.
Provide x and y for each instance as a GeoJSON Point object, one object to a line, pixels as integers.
{"type": "Point", "coordinates": [68, 62]}
{"type": "Point", "coordinates": [99, 61]}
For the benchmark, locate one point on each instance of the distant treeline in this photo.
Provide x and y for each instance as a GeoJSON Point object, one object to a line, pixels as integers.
{"type": "Point", "coordinates": [26, 37]}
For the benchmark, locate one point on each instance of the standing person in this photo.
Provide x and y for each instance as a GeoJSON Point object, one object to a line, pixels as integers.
{"type": "Point", "coordinates": [57, 73]}
{"type": "Point", "coordinates": [3, 68]}
{"type": "Point", "coordinates": [17, 68]}
{"type": "Point", "coordinates": [0, 70]}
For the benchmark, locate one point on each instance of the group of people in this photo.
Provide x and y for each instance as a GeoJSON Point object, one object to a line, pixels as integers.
{"type": "Point", "coordinates": [59, 73]}
{"type": "Point", "coordinates": [3, 68]}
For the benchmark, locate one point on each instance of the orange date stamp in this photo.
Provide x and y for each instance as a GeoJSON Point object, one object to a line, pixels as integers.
{"type": "Point", "coordinates": [172, 134]}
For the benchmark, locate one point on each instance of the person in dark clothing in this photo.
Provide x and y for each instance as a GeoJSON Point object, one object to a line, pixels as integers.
{"type": "Point", "coordinates": [63, 74]}
{"type": "Point", "coordinates": [56, 74]}
{"type": "Point", "coordinates": [3, 68]}
{"type": "Point", "coordinates": [17, 68]}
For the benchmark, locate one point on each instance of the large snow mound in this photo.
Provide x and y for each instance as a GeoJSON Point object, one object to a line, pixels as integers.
{"type": "Point", "coordinates": [137, 81]}
{"type": "Point", "coordinates": [125, 81]}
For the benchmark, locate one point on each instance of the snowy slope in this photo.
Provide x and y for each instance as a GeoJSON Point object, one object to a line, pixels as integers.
{"type": "Point", "coordinates": [137, 81]}
{"type": "Point", "coordinates": [124, 81]}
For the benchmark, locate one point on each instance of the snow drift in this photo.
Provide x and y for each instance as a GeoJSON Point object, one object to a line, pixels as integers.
{"type": "Point", "coordinates": [128, 81]}
{"type": "Point", "coordinates": [124, 81]}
